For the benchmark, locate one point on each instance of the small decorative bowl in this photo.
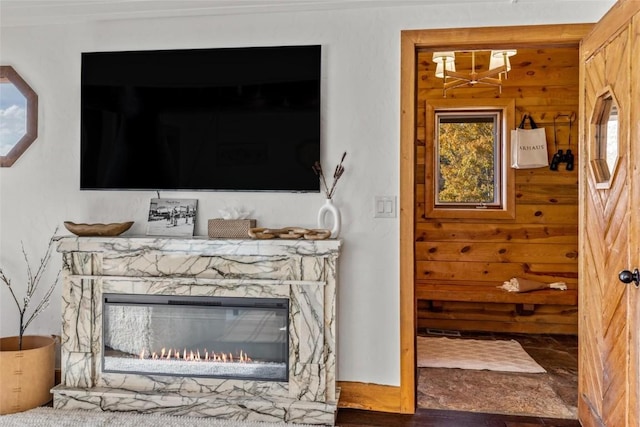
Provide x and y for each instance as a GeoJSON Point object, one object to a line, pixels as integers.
{"type": "Point", "coordinates": [85, 230]}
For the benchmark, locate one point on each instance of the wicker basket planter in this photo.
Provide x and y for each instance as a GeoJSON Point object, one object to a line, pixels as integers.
{"type": "Point", "coordinates": [26, 376]}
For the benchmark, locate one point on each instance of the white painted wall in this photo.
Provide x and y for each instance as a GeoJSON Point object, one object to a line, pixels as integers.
{"type": "Point", "coordinates": [361, 91]}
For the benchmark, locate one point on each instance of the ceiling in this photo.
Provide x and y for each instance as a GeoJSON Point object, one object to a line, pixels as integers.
{"type": "Point", "coordinates": [36, 12]}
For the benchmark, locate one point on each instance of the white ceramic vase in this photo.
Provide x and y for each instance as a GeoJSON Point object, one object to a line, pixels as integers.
{"type": "Point", "coordinates": [329, 218]}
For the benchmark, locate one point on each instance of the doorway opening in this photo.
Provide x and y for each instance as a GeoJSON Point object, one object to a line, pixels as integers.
{"type": "Point", "coordinates": [436, 262]}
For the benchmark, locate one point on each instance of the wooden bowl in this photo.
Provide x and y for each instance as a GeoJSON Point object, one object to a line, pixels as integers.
{"type": "Point", "coordinates": [113, 229]}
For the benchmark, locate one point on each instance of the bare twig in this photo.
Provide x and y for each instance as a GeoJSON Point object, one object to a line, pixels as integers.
{"type": "Point", "coordinates": [317, 168]}
{"type": "Point", "coordinates": [33, 280]}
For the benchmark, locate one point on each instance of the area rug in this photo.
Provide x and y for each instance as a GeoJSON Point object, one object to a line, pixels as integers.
{"type": "Point", "coordinates": [507, 393]}
{"type": "Point", "coordinates": [44, 417]}
{"type": "Point", "coordinates": [492, 355]}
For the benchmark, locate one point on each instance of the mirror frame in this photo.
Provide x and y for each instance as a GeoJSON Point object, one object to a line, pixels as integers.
{"type": "Point", "coordinates": [9, 75]}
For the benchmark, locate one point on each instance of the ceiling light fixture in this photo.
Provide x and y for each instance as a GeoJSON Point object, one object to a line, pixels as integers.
{"type": "Point", "coordinates": [499, 65]}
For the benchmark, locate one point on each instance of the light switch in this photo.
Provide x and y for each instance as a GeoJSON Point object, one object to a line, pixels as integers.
{"type": "Point", "coordinates": [385, 207]}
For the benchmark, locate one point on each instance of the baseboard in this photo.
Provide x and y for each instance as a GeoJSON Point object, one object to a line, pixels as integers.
{"type": "Point", "coordinates": [368, 396]}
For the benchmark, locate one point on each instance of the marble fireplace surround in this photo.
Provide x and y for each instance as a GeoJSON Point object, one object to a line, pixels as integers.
{"type": "Point", "coordinates": [302, 271]}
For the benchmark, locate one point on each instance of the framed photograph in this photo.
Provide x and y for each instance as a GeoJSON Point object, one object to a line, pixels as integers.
{"type": "Point", "coordinates": [172, 217]}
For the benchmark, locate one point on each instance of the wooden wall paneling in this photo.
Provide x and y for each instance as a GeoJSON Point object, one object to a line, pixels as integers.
{"type": "Point", "coordinates": [489, 317]}
{"type": "Point", "coordinates": [462, 232]}
{"type": "Point", "coordinates": [547, 177]}
{"type": "Point", "coordinates": [504, 252]}
{"type": "Point", "coordinates": [539, 194]}
{"type": "Point", "coordinates": [496, 312]}
{"type": "Point", "coordinates": [509, 326]}
{"type": "Point", "coordinates": [547, 214]}
{"type": "Point", "coordinates": [495, 272]}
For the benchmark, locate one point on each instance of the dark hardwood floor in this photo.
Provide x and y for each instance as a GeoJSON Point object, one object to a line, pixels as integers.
{"type": "Point", "coordinates": [439, 418]}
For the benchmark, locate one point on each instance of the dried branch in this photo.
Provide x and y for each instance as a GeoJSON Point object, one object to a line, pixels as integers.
{"type": "Point", "coordinates": [8, 283]}
{"type": "Point", "coordinates": [317, 168]}
{"type": "Point", "coordinates": [44, 303]}
{"type": "Point", "coordinates": [33, 281]}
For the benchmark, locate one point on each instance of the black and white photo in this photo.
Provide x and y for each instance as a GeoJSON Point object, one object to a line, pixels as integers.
{"type": "Point", "coordinates": [172, 217]}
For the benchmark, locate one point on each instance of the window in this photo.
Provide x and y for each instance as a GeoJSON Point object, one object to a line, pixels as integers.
{"type": "Point", "coordinates": [467, 175]}
{"type": "Point", "coordinates": [468, 149]}
{"type": "Point", "coordinates": [604, 147]}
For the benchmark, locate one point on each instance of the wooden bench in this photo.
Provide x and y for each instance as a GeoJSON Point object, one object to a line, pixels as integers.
{"type": "Point", "coordinates": [482, 306]}
{"type": "Point", "coordinates": [484, 293]}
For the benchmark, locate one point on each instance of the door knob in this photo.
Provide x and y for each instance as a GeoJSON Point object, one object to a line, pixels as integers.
{"type": "Point", "coordinates": [626, 276]}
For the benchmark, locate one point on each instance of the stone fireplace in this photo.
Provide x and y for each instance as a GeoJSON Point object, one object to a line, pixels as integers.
{"type": "Point", "coordinates": [233, 329]}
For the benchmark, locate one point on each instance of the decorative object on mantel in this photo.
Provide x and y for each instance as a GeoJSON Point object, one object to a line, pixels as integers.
{"type": "Point", "coordinates": [329, 215]}
{"type": "Point", "coordinates": [230, 228]}
{"type": "Point", "coordinates": [172, 217]}
{"type": "Point", "coordinates": [289, 233]}
{"type": "Point", "coordinates": [234, 223]}
{"type": "Point", "coordinates": [95, 230]}
{"type": "Point", "coordinates": [27, 363]}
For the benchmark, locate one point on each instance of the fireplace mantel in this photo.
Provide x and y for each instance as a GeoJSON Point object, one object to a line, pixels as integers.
{"type": "Point", "coordinates": [302, 271]}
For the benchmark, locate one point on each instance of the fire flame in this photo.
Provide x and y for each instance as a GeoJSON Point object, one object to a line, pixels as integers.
{"type": "Point", "coordinates": [195, 355]}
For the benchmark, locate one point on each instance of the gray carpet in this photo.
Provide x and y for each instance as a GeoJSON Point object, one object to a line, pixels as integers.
{"type": "Point", "coordinates": [45, 417]}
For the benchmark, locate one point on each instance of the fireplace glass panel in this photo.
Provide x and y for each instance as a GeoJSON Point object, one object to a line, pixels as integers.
{"type": "Point", "coordinates": [221, 337]}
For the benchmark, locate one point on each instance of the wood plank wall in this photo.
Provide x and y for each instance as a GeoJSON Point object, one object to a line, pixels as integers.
{"type": "Point", "coordinates": [541, 243]}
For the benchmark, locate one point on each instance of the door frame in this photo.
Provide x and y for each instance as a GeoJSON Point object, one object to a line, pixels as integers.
{"type": "Point", "coordinates": [542, 36]}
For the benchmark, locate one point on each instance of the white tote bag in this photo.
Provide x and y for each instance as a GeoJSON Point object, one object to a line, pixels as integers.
{"type": "Point", "coordinates": [528, 146]}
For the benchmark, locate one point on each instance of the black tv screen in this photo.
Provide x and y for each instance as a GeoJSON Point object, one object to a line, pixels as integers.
{"type": "Point", "coordinates": [243, 119]}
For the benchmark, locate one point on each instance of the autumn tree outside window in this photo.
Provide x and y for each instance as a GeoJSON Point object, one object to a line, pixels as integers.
{"type": "Point", "coordinates": [468, 150]}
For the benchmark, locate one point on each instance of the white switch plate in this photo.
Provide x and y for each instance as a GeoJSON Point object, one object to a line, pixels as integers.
{"type": "Point", "coordinates": [385, 207]}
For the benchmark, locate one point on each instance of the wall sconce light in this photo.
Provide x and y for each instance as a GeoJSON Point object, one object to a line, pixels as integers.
{"type": "Point", "coordinates": [499, 65]}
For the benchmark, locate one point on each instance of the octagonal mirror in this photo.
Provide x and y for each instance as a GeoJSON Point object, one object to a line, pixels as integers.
{"type": "Point", "coordinates": [604, 138]}
{"type": "Point", "coordinates": [18, 116]}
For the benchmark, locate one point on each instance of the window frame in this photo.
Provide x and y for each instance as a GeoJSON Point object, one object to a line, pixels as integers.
{"type": "Point", "coordinates": [602, 166]}
{"type": "Point", "coordinates": [504, 208]}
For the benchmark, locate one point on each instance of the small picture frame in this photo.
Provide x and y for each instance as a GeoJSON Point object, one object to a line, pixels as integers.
{"type": "Point", "coordinates": [172, 217]}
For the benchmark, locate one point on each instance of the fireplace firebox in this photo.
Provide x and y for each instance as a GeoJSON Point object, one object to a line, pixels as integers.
{"type": "Point", "coordinates": [218, 337]}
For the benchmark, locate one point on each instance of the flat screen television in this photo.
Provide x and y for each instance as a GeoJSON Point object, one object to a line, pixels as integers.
{"type": "Point", "coordinates": [230, 119]}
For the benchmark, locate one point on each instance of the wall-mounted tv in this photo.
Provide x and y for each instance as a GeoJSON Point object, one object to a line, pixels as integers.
{"type": "Point", "coordinates": [230, 119]}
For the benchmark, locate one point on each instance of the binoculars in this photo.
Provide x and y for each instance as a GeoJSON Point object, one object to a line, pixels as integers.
{"type": "Point", "coordinates": [561, 157]}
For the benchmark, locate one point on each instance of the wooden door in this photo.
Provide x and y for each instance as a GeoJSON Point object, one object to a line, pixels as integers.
{"type": "Point", "coordinates": [609, 222]}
